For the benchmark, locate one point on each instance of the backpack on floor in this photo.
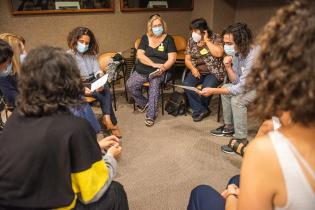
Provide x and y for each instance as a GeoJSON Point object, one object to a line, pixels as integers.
{"type": "Point", "coordinates": [176, 104]}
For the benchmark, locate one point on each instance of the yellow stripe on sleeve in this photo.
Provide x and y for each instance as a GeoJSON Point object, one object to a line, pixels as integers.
{"type": "Point", "coordinates": [89, 182]}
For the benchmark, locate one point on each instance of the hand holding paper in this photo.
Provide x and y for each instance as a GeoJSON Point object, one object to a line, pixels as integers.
{"type": "Point", "coordinates": [155, 73]}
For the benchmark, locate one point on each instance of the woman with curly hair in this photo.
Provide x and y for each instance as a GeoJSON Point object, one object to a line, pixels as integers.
{"type": "Point", "coordinates": [278, 170]}
{"type": "Point", "coordinates": [84, 48]}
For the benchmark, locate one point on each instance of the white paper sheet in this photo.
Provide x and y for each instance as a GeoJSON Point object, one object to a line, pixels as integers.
{"type": "Point", "coordinates": [99, 83]}
{"type": "Point", "coordinates": [187, 87]}
{"type": "Point", "coordinates": [154, 73]}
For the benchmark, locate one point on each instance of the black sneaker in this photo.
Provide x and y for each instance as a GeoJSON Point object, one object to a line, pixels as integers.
{"type": "Point", "coordinates": [201, 116]}
{"type": "Point", "coordinates": [223, 131]}
{"type": "Point", "coordinates": [227, 149]}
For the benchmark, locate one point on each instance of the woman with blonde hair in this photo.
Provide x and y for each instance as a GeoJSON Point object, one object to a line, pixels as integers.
{"type": "Point", "coordinates": [8, 85]}
{"type": "Point", "coordinates": [17, 44]}
{"type": "Point", "coordinates": [156, 54]}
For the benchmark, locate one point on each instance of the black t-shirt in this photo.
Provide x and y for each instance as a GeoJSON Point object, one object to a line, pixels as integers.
{"type": "Point", "coordinates": [157, 55]}
{"type": "Point", "coordinates": [38, 157]}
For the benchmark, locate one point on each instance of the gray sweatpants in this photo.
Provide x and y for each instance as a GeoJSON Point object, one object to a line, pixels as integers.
{"type": "Point", "coordinates": [235, 111]}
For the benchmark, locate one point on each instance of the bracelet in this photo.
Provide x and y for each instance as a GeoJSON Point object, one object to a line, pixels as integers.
{"type": "Point", "coordinates": [235, 195]}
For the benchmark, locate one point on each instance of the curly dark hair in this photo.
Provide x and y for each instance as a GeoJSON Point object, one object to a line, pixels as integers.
{"type": "Point", "coordinates": [284, 75]}
{"type": "Point", "coordinates": [75, 35]}
{"type": "Point", "coordinates": [200, 24]}
{"type": "Point", "coordinates": [49, 82]}
{"type": "Point", "coordinates": [242, 36]}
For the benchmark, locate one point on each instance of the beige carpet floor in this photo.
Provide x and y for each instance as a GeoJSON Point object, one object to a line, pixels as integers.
{"type": "Point", "coordinates": [160, 165]}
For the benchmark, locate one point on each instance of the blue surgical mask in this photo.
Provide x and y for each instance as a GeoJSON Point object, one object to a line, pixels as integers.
{"type": "Point", "coordinates": [229, 49]}
{"type": "Point", "coordinates": [82, 48]}
{"type": "Point", "coordinates": [7, 71]}
{"type": "Point", "coordinates": [157, 31]}
{"type": "Point", "coordinates": [22, 57]}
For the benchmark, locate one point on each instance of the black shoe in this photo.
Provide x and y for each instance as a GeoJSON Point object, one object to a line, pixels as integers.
{"type": "Point", "coordinates": [201, 116]}
{"type": "Point", "coordinates": [223, 131]}
{"type": "Point", "coordinates": [227, 149]}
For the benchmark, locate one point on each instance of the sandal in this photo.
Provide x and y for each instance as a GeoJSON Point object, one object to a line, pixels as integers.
{"type": "Point", "coordinates": [148, 122]}
{"type": "Point", "coordinates": [239, 146]}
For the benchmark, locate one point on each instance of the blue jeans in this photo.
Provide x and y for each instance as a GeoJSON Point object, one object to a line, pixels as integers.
{"type": "Point", "coordinates": [8, 87]}
{"type": "Point", "coordinates": [205, 197]}
{"type": "Point", "coordinates": [86, 112]}
{"type": "Point", "coordinates": [199, 104]}
{"type": "Point", "coordinates": [105, 100]}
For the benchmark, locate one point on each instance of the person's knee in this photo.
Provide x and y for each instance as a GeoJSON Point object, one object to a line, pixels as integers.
{"type": "Point", "coordinates": [226, 85]}
{"type": "Point", "coordinates": [117, 187]}
{"type": "Point", "coordinates": [186, 82]}
{"type": "Point", "coordinates": [237, 101]}
{"type": "Point", "coordinates": [201, 189]}
{"type": "Point", "coordinates": [235, 180]}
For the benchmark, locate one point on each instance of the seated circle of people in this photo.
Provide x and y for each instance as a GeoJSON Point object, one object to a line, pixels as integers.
{"type": "Point", "coordinates": [156, 54]}
{"type": "Point", "coordinates": [240, 56]}
{"type": "Point", "coordinates": [8, 85]}
{"type": "Point", "coordinates": [203, 58]}
{"type": "Point", "coordinates": [84, 48]}
{"type": "Point", "coordinates": [60, 159]}
{"type": "Point", "coordinates": [278, 167]}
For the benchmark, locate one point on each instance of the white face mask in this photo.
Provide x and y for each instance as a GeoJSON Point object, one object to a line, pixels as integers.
{"type": "Point", "coordinates": [22, 57]}
{"type": "Point", "coordinates": [196, 37]}
{"type": "Point", "coordinates": [6, 72]}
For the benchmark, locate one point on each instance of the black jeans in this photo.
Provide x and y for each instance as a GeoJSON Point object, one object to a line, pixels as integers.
{"type": "Point", "coordinates": [115, 198]}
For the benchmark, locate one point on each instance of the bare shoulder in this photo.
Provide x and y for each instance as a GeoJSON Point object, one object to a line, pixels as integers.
{"type": "Point", "coordinates": [261, 159]}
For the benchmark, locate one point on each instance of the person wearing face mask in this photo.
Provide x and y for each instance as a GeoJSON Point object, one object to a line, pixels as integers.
{"type": "Point", "coordinates": [84, 48]}
{"type": "Point", "coordinates": [8, 85]}
{"type": "Point", "coordinates": [156, 51]}
{"type": "Point", "coordinates": [204, 60]}
{"type": "Point", "coordinates": [240, 55]}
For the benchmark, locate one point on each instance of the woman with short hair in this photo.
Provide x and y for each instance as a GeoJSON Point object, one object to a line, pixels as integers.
{"type": "Point", "coordinates": [156, 54]}
{"type": "Point", "coordinates": [203, 58]}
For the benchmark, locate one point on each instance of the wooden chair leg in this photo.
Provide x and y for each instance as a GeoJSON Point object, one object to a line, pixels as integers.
{"type": "Point", "coordinates": [219, 109]}
{"type": "Point", "coordinates": [114, 95]}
